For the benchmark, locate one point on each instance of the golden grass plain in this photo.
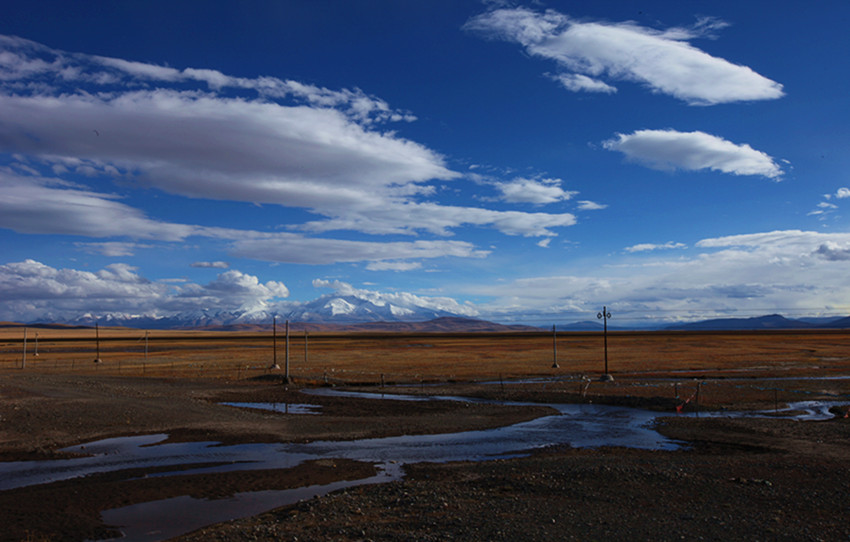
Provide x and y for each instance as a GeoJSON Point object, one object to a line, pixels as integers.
{"type": "Point", "coordinates": [732, 368]}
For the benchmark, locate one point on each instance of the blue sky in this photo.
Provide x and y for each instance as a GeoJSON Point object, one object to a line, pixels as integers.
{"type": "Point", "coordinates": [509, 161]}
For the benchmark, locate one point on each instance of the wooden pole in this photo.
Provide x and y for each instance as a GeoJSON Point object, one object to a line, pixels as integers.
{"type": "Point", "coordinates": [554, 348]}
{"type": "Point", "coordinates": [97, 341]}
{"type": "Point", "coordinates": [24, 358]}
{"type": "Point", "coordinates": [287, 351]}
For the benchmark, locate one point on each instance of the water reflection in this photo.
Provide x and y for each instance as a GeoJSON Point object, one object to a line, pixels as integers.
{"type": "Point", "coordinates": [283, 408]}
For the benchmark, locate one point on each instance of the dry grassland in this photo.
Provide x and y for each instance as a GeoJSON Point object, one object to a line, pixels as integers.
{"type": "Point", "coordinates": [735, 367]}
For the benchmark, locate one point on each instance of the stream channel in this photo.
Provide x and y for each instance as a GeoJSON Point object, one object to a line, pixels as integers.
{"type": "Point", "coordinates": [577, 425]}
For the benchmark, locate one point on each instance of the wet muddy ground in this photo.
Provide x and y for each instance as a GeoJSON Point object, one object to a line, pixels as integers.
{"type": "Point", "coordinates": [753, 479]}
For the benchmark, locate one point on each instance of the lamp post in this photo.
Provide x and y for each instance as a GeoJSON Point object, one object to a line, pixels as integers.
{"type": "Point", "coordinates": [604, 316]}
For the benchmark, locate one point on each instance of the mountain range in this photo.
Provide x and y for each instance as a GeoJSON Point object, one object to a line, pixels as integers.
{"type": "Point", "coordinates": [340, 314]}
{"type": "Point", "coordinates": [358, 311]}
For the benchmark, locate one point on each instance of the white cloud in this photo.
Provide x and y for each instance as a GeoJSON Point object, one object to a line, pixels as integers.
{"type": "Point", "coordinates": [39, 205]}
{"type": "Point", "coordinates": [182, 131]}
{"type": "Point", "coordinates": [235, 284]}
{"type": "Point", "coordinates": [544, 243]}
{"type": "Point", "coordinates": [842, 193]}
{"type": "Point", "coordinates": [538, 191]}
{"type": "Point", "coordinates": [31, 290]}
{"type": "Point", "coordinates": [577, 82]}
{"type": "Point", "coordinates": [591, 206]}
{"type": "Point", "coordinates": [211, 265]}
{"type": "Point", "coordinates": [662, 60]}
{"type": "Point", "coordinates": [438, 219]}
{"type": "Point", "coordinates": [807, 272]}
{"type": "Point", "coordinates": [293, 248]}
{"type": "Point", "coordinates": [48, 206]}
{"type": "Point", "coordinates": [646, 247]}
{"type": "Point", "coordinates": [113, 249]}
{"type": "Point", "coordinates": [669, 149]}
{"type": "Point", "coordinates": [393, 266]}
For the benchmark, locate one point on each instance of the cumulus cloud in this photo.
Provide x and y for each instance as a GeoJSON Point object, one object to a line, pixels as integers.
{"type": "Point", "coordinates": [201, 133]}
{"type": "Point", "coordinates": [537, 191]}
{"type": "Point", "coordinates": [842, 193]}
{"type": "Point", "coordinates": [833, 251]}
{"type": "Point", "coordinates": [662, 60]}
{"type": "Point", "coordinates": [669, 149]}
{"type": "Point", "coordinates": [31, 290]}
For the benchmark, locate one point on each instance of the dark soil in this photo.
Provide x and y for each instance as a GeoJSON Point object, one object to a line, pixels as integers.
{"type": "Point", "coordinates": [741, 479]}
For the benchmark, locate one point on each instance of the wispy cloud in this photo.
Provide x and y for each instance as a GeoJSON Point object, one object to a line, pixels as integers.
{"type": "Point", "coordinates": [203, 134]}
{"type": "Point", "coordinates": [393, 266]}
{"type": "Point", "coordinates": [647, 247]}
{"type": "Point", "coordinates": [113, 249]}
{"type": "Point", "coordinates": [211, 265]}
{"type": "Point", "coordinates": [586, 205]}
{"type": "Point", "coordinates": [49, 206]}
{"type": "Point", "coordinates": [670, 150]}
{"type": "Point", "coordinates": [577, 82]}
{"type": "Point", "coordinates": [662, 60]}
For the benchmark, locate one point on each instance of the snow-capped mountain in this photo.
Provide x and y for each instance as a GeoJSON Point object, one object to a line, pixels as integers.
{"type": "Point", "coordinates": [331, 308]}
{"type": "Point", "coordinates": [351, 309]}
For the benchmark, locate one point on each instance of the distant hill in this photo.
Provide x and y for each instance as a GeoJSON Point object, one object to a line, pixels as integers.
{"type": "Point", "coordinates": [771, 321]}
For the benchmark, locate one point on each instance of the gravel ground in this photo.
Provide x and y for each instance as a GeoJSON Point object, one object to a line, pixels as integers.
{"type": "Point", "coordinates": [713, 491]}
{"type": "Point", "coordinates": [741, 479]}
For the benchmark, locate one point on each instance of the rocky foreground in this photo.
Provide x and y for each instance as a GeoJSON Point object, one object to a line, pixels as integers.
{"type": "Point", "coordinates": [734, 479]}
{"type": "Point", "coordinates": [740, 480]}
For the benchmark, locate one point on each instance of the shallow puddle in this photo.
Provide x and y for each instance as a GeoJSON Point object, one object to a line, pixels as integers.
{"type": "Point", "coordinates": [283, 408]}
{"type": "Point", "coordinates": [167, 518]}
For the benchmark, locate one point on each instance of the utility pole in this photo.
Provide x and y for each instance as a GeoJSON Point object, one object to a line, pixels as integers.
{"type": "Point", "coordinates": [554, 348]}
{"type": "Point", "coordinates": [287, 352]}
{"type": "Point", "coordinates": [24, 358]}
{"type": "Point", "coordinates": [604, 316]}
{"type": "Point", "coordinates": [97, 340]}
{"type": "Point", "coordinates": [274, 344]}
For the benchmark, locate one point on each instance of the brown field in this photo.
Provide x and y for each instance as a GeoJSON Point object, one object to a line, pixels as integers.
{"type": "Point", "coordinates": [737, 369]}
